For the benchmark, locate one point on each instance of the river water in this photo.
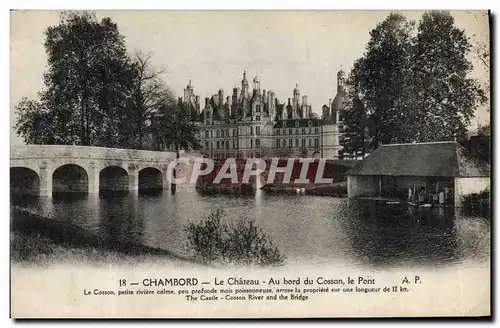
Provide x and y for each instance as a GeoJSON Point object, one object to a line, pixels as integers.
{"type": "Point", "coordinates": [307, 229]}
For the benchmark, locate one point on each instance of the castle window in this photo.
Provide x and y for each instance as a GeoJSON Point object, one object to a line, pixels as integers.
{"type": "Point", "coordinates": [257, 130]}
{"type": "Point", "coordinates": [251, 143]}
{"type": "Point", "coordinates": [290, 143]}
{"type": "Point", "coordinates": [303, 130]}
{"type": "Point", "coordinates": [290, 131]}
{"type": "Point", "coordinates": [297, 124]}
{"type": "Point", "coordinates": [278, 132]}
{"type": "Point", "coordinates": [296, 131]}
{"type": "Point", "coordinates": [218, 145]}
{"type": "Point", "coordinates": [296, 143]}
{"type": "Point", "coordinates": [303, 143]}
{"type": "Point", "coordinates": [207, 134]}
{"type": "Point", "coordinates": [227, 144]}
{"type": "Point", "coordinates": [257, 118]}
{"type": "Point", "coordinates": [284, 143]}
{"type": "Point", "coordinates": [278, 143]}
{"type": "Point", "coordinates": [316, 130]}
{"type": "Point", "coordinates": [257, 108]}
{"type": "Point", "coordinates": [257, 143]}
{"type": "Point", "coordinates": [310, 143]}
{"type": "Point", "coordinates": [218, 133]}
{"type": "Point", "coordinates": [206, 145]}
{"type": "Point", "coordinates": [283, 124]}
{"type": "Point", "coordinates": [251, 130]}
{"type": "Point", "coordinates": [316, 142]}
{"type": "Point", "coordinates": [211, 133]}
{"type": "Point", "coordinates": [234, 144]}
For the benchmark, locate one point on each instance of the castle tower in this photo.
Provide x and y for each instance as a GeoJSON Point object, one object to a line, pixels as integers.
{"type": "Point", "coordinates": [256, 83]}
{"type": "Point", "coordinates": [221, 97]}
{"type": "Point", "coordinates": [244, 85]}
{"type": "Point", "coordinates": [338, 101]}
{"type": "Point", "coordinates": [295, 101]}
{"type": "Point", "coordinates": [235, 95]}
{"type": "Point", "coordinates": [341, 81]}
{"type": "Point", "coordinates": [188, 92]}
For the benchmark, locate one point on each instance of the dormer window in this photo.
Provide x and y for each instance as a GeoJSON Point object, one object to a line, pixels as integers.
{"type": "Point", "coordinates": [309, 123]}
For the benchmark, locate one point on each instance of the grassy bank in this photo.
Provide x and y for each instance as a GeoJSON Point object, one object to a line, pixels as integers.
{"type": "Point", "coordinates": [36, 249]}
{"type": "Point", "coordinates": [38, 240]}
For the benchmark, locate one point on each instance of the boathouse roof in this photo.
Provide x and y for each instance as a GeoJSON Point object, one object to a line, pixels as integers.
{"type": "Point", "coordinates": [438, 159]}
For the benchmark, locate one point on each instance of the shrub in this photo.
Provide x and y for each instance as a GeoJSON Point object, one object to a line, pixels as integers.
{"type": "Point", "coordinates": [477, 203]}
{"type": "Point", "coordinates": [240, 243]}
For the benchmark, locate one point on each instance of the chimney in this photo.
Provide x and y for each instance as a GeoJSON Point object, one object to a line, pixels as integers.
{"type": "Point", "coordinates": [330, 103]}
{"type": "Point", "coordinates": [197, 102]}
{"type": "Point", "coordinates": [206, 101]}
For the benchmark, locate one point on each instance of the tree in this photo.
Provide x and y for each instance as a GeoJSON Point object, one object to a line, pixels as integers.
{"type": "Point", "coordinates": [355, 132]}
{"type": "Point", "coordinates": [149, 95]}
{"type": "Point", "coordinates": [444, 95]}
{"type": "Point", "coordinates": [87, 83]}
{"type": "Point", "coordinates": [414, 85]}
{"type": "Point", "coordinates": [481, 51]}
{"type": "Point", "coordinates": [480, 45]}
{"type": "Point", "coordinates": [378, 81]}
{"type": "Point", "coordinates": [172, 128]}
{"type": "Point", "coordinates": [34, 123]}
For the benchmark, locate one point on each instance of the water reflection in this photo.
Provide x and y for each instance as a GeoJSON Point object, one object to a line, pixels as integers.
{"type": "Point", "coordinates": [120, 220]}
{"type": "Point", "coordinates": [398, 234]}
{"type": "Point", "coordinates": [307, 229]}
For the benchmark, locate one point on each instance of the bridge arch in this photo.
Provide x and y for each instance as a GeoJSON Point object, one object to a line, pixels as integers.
{"type": "Point", "coordinates": [113, 179]}
{"type": "Point", "coordinates": [70, 178]}
{"type": "Point", "coordinates": [150, 180]}
{"type": "Point", "coordinates": [24, 181]}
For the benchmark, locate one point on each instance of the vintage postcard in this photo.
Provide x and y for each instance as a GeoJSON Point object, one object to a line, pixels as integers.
{"type": "Point", "coordinates": [250, 164]}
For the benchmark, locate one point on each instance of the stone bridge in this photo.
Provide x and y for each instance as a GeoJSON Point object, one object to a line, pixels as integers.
{"type": "Point", "coordinates": [46, 169]}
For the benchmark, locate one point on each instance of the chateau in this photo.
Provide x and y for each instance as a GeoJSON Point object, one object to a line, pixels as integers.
{"type": "Point", "coordinates": [253, 123]}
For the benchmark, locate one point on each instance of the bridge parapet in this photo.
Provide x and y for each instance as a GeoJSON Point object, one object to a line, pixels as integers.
{"type": "Point", "coordinates": [61, 151]}
{"type": "Point", "coordinates": [46, 160]}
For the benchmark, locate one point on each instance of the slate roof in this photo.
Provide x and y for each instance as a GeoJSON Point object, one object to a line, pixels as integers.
{"type": "Point", "coordinates": [302, 123]}
{"type": "Point", "coordinates": [437, 159]}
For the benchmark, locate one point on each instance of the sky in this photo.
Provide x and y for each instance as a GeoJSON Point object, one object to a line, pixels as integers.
{"type": "Point", "coordinates": [213, 48]}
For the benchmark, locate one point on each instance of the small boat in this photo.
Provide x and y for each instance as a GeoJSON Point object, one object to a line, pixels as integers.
{"type": "Point", "coordinates": [426, 205]}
